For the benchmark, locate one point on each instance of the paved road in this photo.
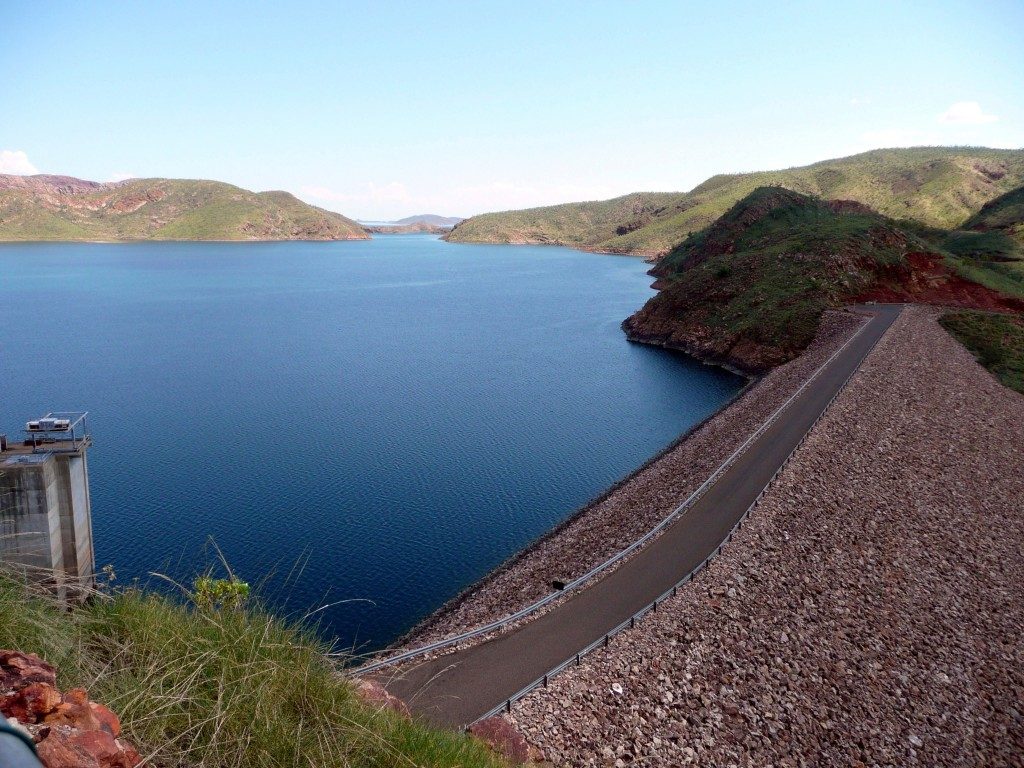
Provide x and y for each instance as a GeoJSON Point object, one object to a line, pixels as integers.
{"type": "Point", "coordinates": [456, 689]}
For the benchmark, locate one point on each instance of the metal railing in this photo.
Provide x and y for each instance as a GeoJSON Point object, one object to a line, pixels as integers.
{"type": "Point", "coordinates": [624, 553]}
{"type": "Point", "coordinates": [506, 705]}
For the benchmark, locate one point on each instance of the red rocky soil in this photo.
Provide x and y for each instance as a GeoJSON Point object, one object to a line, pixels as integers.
{"type": "Point", "coordinates": [69, 730]}
{"type": "Point", "coordinates": [926, 280]}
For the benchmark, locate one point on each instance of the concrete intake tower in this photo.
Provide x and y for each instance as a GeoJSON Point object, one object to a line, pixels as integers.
{"type": "Point", "coordinates": [45, 512]}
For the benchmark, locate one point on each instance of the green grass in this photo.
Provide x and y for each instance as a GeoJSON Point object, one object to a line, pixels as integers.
{"type": "Point", "coordinates": [204, 687]}
{"type": "Point", "coordinates": [997, 341]}
{"type": "Point", "coordinates": [1006, 278]}
{"type": "Point", "coordinates": [1005, 213]}
{"type": "Point", "coordinates": [166, 209]}
{"type": "Point", "coordinates": [982, 246]}
{"type": "Point", "coordinates": [937, 186]}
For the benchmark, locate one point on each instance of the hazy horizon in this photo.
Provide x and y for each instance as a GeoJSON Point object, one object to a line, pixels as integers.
{"type": "Point", "coordinates": [384, 113]}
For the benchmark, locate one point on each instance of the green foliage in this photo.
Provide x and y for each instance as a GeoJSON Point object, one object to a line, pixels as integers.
{"type": "Point", "coordinates": [981, 246]}
{"type": "Point", "coordinates": [212, 594]}
{"type": "Point", "coordinates": [30, 621]}
{"type": "Point", "coordinates": [1005, 213]}
{"type": "Point", "coordinates": [938, 186]}
{"type": "Point", "coordinates": [201, 687]}
{"type": "Point", "coordinates": [997, 341]}
{"type": "Point", "coordinates": [768, 268]}
{"type": "Point", "coordinates": [1006, 278]}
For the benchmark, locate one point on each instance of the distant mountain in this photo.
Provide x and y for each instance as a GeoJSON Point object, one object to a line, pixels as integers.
{"type": "Point", "coordinates": [425, 222]}
{"type": "Point", "coordinates": [749, 290]}
{"type": "Point", "coordinates": [936, 186]}
{"type": "Point", "coordinates": [429, 218]}
{"type": "Point", "coordinates": [48, 207]}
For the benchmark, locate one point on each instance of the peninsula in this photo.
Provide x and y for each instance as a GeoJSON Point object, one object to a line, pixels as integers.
{"type": "Point", "coordinates": [748, 292]}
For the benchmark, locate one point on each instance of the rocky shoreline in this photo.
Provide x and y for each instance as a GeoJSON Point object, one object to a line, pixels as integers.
{"type": "Point", "coordinates": [868, 613]}
{"type": "Point", "coordinates": [660, 323]}
{"type": "Point", "coordinates": [634, 505]}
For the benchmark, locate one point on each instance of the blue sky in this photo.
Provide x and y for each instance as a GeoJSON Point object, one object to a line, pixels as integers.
{"type": "Point", "coordinates": [383, 110]}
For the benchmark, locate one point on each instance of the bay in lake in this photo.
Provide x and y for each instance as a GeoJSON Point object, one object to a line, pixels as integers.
{"type": "Point", "coordinates": [379, 423]}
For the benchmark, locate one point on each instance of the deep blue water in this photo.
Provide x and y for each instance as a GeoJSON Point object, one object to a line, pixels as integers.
{"type": "Point", "coordinates": [376, 422]}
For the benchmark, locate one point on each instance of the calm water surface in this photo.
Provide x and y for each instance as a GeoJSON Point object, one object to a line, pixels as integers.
{"type": "Point", "coordinates": [373, 422]}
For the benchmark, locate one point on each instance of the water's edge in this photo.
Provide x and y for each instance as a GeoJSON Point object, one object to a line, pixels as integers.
{"type": "Point", "coordinates": [510, 563]}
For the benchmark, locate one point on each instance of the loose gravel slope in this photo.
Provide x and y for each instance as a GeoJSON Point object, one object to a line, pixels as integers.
{"type": "Point", "coordinates": [869, 613]}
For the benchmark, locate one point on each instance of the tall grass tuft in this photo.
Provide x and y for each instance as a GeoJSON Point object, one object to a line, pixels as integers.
{"type": "Point", "coordinates": [218, 686]}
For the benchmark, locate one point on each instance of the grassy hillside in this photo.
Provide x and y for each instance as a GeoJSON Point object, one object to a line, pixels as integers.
{"type": "Point", "coordinates": [201, 685]}
{"type": "Point", "coordinates": [997, 341]}
{"type": "Point", "coordinates": [582, 225]}
{"type": "Point", "coordinates": [1002, 216]}
{"type": "Point", "coordinates": [63, 208]}
{"type": "Point", "coordinates": [936, 186]}
{"type": "Point", "coordinates": [750, 289]}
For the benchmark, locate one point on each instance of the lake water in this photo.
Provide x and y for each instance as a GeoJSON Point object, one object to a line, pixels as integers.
{"type": "Point", "coordinates": [376, 422]}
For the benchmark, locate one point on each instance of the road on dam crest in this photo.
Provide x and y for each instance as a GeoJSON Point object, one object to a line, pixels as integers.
{"type": "Point", "coordinates": [456, 689]}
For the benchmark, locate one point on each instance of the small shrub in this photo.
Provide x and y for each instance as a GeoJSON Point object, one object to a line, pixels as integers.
{"type": "Point", "coordinates": [213, 594]}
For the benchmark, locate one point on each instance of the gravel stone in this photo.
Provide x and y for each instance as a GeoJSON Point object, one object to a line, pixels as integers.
{"type": "Point", "coordinates": [876, 605]}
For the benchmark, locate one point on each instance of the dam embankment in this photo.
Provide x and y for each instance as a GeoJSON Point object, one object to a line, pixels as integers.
{"type": "Point", "coordinates": [633, 506]}
{"type": "Point", "coordinates": [868, 612]}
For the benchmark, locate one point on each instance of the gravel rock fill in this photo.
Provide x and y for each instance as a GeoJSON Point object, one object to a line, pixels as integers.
{"type": "Point", "coordinates": [869, 613]}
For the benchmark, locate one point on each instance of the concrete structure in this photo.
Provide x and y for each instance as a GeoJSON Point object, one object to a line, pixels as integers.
{"type": "Point", "coordinates": [45, 513]}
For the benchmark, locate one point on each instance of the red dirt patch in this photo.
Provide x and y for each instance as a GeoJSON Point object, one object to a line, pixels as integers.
{"type": "Point", "coordinates": [926, 280]}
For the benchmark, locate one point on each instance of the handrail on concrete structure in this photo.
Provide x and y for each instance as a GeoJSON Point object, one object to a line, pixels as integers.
{"type": "Point", "coordinates": [601, 567]}
{"type": "Point", "coordinates": [48, 439]}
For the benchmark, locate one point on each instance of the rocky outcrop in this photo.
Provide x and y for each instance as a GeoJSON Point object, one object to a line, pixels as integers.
{"type": "Point", "coordinates": [925, 279]}
{"type": "Point", "coordinates": [68, 729]}
{"type": "Point", "coordinates": [748, 291]}
{"type": "Point", "coordinates": [503, 738]}
{"type": "Point", "coordinates": [663, 324]}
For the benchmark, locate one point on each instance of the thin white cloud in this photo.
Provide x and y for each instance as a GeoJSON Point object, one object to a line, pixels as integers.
{"type": "Point", "coordinates": [15, 161]}
{"type": "Point", "coordinates": [120, 176]}
{"type": "Point", "coordinates": [967, 113]}
{"type": "Point", "coordinates": [859, 101]}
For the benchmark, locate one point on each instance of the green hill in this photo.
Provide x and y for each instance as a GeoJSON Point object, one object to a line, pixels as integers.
{"type": "Point", "coordinates": [749, 290]}
{"type": "Point", "coordinates": [936, 186]}
{"type": "Point", "coordinates": [1005, 214]}
{"type": "Point", "coordinates": [64, 208]}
